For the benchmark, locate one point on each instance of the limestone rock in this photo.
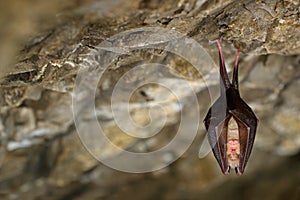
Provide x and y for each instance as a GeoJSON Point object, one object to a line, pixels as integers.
{"type": "Point", "coordinates": [41, 153]}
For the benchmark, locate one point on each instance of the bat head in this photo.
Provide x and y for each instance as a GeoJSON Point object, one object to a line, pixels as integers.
{"type": "Point", "coordinates": [233, 145]}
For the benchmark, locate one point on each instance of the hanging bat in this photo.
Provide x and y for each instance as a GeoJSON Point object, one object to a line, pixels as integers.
{"type": "Point", "coordinates": [230, 123]}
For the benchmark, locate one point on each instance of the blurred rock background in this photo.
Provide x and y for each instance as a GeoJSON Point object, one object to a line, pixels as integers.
{"type": "Point", "coordinates": [42, 45]}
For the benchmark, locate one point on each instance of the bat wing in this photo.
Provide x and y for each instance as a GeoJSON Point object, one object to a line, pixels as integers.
{"type": "Point", "coordinates": [247, 123]}
{"type": "Point", "coordinates": [216, 122]}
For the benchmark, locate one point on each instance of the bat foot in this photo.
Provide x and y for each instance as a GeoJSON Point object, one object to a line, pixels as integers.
{"type": "Point", "coordinates": [218, 40]}
{"type": "Point", "coordinates": [233, 47]}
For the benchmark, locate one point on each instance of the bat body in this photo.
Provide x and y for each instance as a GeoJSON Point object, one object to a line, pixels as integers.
{"type": "Point", "coordinates": [230, 123]}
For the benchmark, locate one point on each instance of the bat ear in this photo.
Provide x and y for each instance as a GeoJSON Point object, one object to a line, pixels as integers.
{"type": "Point", "coordinates": [223, 71]}
{"type": "Point", "coordinates": [238, 171]}
{"type": "Point", "coordinates": [235, 80]}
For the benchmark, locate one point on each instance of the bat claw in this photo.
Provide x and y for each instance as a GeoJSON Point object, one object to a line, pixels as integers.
{"type": "Point", "coordinates": [214, 41]}
{"type": "Point", "coordinates": [233, 47]}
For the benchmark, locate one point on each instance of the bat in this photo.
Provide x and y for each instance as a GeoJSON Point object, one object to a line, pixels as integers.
{"type": "Point", "coordinates": [230, 122]}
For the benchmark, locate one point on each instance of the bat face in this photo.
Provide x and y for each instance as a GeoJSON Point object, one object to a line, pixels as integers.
{"type": "Point", "coordinates": [230, 123]}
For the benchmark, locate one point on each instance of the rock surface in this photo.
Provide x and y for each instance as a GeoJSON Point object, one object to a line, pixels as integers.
{"type": "Point", "coordinates": [42, 156]}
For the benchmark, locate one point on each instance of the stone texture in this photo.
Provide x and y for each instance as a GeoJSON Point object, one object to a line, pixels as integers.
{"type": "Point", "coordinates": [41, 155]}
